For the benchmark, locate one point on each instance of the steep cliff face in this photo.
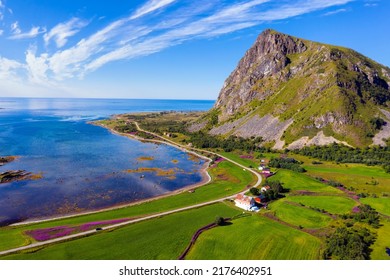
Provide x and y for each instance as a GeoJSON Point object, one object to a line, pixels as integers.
{"type": "Point", "coordinates": [304, 90]}
{"type": "Point", "coordinates": [267, 57]}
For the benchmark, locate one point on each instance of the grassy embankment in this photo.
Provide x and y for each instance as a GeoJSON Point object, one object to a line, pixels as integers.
{"type": "Point", "coordinates": [162, 238]}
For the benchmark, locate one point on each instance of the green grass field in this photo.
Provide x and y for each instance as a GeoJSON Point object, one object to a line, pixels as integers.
{"type": "Point", "coordinates": [299, 216]}
{"type": "Point", "coordinates": [382, 242]}
{"type": "Point", "coordinates": [234, 180]}
{"type": "Point", "coordinates": [299, 181]}
{"type": "Point", "coordinates": [254, 162]}
{"type": "Point", "coordinates": [161, 238]}
{"type": "Point", "coordinates": [358, 176]}
{"type": "Point", "coordinates": [331, 204]}
{"type": "Point", "coordinates": [255, 237]}
{"type": "Point", "coordinates": [381, 204]}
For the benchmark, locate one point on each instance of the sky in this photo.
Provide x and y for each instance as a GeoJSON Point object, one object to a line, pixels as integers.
{"type": "Point", "coordinates": [163, 49]}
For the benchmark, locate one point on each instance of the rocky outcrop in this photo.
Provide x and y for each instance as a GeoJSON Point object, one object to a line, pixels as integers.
{"type": "Point", "coordinates": [194, 127]}
{"type": "Point", "coordinates": [267, 57]}
{"type": "Point", "coordinates": [384, 133]}
{"type": "Point", "coordinates": [14, 175]}
{"type": "Point", "coordinates": [268, 128]}
{"type": "Point", "coordinates": [319, 140]}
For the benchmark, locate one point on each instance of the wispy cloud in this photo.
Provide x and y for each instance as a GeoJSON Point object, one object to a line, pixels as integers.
{"type": "Point", "coordinates": [144, 32]}
{"type": "Point", "coordinates": [371, 3]}
{"type": "Point", "coordinates": [9, 69]}
{"type": "Point", "coordinates": [15, 28]}
{"type": "Point", "coordinates": [1, 10]}
{"type": "Point", "coordinates": [335, 12]}
{"type": "Point", "coordinates": [62, 31]}
{"type": "Point", "coordinates": [34, 32]}
{"type": "Point", "coordinates": [151, 6]}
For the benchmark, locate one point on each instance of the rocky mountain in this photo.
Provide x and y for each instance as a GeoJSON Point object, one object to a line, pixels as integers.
{"type": "Point", "coordinates": [294, 92]}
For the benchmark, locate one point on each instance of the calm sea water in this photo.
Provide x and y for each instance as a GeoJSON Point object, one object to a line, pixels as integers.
{"type": "Point", "coordinates": [83, 165]}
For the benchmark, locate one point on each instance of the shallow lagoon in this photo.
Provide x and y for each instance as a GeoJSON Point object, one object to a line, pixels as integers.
{"type": "Point", "coordinates": [84, 166]}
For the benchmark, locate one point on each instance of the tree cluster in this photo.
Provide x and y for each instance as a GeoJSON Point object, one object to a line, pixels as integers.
{"type": "Point", "coordinates": [204, 140]}
{"type": "Point", "coordinates": [349, 244]}
{"type": "Point", "coordinates": [343, 154]}
{"type": "Point", "coordinates": [365, 214]}
{"type": "Point", "coordinates": [275, 191]}
{"type": "Point", "coordinates": [287, 163]}
{"type": "Point", "coordinates": [126, 128]}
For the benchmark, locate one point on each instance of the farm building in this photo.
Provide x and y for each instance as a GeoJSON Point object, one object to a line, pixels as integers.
{"type": "Point", "coordinates": [261, 167]}
{"type": "Point", "coordinates": [265, 189]}
{"type": "Point", "coordinates": [260, 199]}
{"type": "Point", "coordinates": [245, 202]}
{"type": "Point", "coordinates": [265, 170]}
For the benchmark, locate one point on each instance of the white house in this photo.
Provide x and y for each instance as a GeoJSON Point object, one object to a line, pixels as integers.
{"type": "Point", "coordinates": [244, 202]}
{"type": "Point", "coordinates": [266, 188]}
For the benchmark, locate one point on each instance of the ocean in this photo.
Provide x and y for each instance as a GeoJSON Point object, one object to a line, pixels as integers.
{"type": "Point", "coordinates": [84, 166]}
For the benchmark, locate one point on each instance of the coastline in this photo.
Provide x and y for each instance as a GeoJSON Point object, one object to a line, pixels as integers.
{"type": "Point", "coordinates": [206, 178]}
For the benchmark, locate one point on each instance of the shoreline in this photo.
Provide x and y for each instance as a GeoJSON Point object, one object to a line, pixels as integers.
{"type": "Point", "coordinates": [206, 178]}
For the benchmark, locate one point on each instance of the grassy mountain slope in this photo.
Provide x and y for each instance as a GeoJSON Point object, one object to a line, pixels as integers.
{"type": "Point", "coordinates": [313, 89]}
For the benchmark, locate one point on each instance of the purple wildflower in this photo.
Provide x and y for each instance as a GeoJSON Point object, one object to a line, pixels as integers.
{"type": "Point", "coordinates": [60, 231]}
{"type": "Point", "coordinates": [356, 209]}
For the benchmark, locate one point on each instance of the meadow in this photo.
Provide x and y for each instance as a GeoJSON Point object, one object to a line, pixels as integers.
{"type": "Point", "coordinates": [362, 178]}
{"type": "Point", "coordinates": [162, 238]}
{"type": "Point", "coordinates": [381, 204]}
{"type": "Point", "coordinates": [331, 204]}
{"type": "Point", "coordinates": [294, 181]}
{"type": "Point", "coordinates": [255, 237]}
{"type": "Point", "coordinates": [298, 215]}
{"type": "Point", "coordinates": [382, 242]}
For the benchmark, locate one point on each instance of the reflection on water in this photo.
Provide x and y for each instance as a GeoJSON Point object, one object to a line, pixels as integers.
{"type": "Point", "coordinates": [83, 165]}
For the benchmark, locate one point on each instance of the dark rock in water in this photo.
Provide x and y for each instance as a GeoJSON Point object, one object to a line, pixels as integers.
{"type": "Point", "coordinates": [10, 176]}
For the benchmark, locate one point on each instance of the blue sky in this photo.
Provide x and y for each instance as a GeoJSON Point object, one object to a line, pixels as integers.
{"type": "Point", "coordinates": [176, 49]}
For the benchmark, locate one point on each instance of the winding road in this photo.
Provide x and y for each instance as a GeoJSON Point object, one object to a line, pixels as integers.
{"type": "Point", "coordinates": [90, 232]}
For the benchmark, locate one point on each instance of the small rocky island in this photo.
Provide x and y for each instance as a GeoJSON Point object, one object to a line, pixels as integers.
{"type": "Point", "coordinates": [5, 160]}
{"type": "Point", "coordinates": [15, 175]}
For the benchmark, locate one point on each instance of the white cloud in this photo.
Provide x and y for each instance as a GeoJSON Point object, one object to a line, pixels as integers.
{"type": "Point", "coordinates": [371, 5]}
{"type": "Point", "coordinates": [9, 69]}
{"type": "Point", "coordinates": [37, 67]}
{"type": "Point", "coordinates": [335, 12]}
{"type": "Point", "coordinates": [298, 8]}
{"type": "Point", "coordinates": [15, 28]}
{"type": "Point", "coordinates": [1, 32]}
{"type": "Point", "coordinates": [67, 63]}
{"type": "Point", "coordinates": [128, 38]}
{"type": "Point", "coordinates": [34, 32]}
{"type": "Point", "coordinates": [151, 6]}
{"type": "Point", "coordinates": [62, 31]}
